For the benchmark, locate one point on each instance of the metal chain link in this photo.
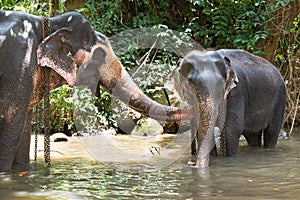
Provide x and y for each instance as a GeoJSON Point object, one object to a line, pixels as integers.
{"type": "Point", "coordinates": [35, 145]}
{"type": "Point", "coordinates": [222, 125]}
{"type": "Point", "coordinates": [42, 113]}
{"type": "Point", "coordinates": [37, 127]}
{"type": "Point", "coordinates": [46, 123]}
{"type": "Point", "coordinates": [46, 32]}
{"type": "Point", "coordinates": [223, 143]}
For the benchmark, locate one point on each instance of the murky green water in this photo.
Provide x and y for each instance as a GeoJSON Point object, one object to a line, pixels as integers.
{"type": "Point", "coordinates": [255, 174]}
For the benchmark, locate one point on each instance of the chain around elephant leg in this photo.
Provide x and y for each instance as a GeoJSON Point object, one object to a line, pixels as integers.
{"type": "Point", "coordinates": [46, 118]}
{"type": "Point", "coordinates": [223, 143]}
{"type": "Point", "coordinates": [37, 127]}
{"type": "Point", "coordinates": [47, 130]}
{"type": "Point", "coordinates": [222, 124]}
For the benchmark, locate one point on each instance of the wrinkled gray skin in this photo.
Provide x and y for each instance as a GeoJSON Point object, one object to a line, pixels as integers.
{"type": "Point", "coordinates": [72, 53]}
{"type": "Point", "coordinates": [247, 88]}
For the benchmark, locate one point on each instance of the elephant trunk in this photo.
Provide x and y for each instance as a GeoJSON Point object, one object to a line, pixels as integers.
{"type": "Point", "coordinates": [102, 65]}
{"type": "Point", "coordinates": [128, 92]}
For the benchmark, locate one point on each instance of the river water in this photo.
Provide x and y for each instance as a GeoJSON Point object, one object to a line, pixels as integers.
{"type": "Point", "coordinates": [255, 174]}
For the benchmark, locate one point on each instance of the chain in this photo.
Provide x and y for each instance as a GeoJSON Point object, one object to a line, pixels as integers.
{"type": "Point", "coordinates": [38, 125]}
{"type": "Point", "coordinates": [46, 32]}
{"type": "Point", "coordinates": [44, 112]}
{"type": "Point", "coordinates": [46, 122]}
{"type": "Point", "coordinates": [35, 145]}
{"type": "Point", "coordinates": [222, 124]}
{"type": "Point", "coordinates": [45, 27]}
{"type": "Point", "coordinates": [223, 143]}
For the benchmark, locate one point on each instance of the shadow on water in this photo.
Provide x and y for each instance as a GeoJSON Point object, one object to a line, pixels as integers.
{"type": "Point", "coordinates": [255, 174]}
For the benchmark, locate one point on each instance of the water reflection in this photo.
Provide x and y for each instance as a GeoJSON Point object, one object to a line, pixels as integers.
{"type": "Point", "coordinates": [256, 174]}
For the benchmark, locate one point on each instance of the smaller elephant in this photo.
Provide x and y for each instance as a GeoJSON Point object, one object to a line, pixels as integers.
{"type": "Point", "coordinates": [236, 91]}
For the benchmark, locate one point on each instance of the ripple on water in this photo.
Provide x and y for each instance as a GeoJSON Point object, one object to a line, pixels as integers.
{"type": "Point", "coordinates": [255, 174]}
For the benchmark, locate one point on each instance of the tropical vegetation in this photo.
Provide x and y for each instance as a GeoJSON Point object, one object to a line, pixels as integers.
{"type": "Point", "coordinates": [266, 28]}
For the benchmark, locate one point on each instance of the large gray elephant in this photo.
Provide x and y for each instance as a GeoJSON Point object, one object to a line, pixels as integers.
{"type": "Point", "coordinates": [240, 93]}
{"type": "Point", "coordinates": [63, 47]}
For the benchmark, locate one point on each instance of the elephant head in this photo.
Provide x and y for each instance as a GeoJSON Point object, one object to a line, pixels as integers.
{"type": "Point", "coordinates": [85, 57]}
{"type": "Point", "coordinates": [211, 78]}
{"type": "Point", "coordinates": [208, 73]}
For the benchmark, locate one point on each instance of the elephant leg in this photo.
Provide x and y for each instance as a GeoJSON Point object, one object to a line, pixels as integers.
{"type": "Point", "coordinates": [194, 151]}
{"type": "Point", "coordinates": [254, 139]}
{"type": "Point", "coordinates": [22, 155]}
{"type": "Point", "coordinates": [271, 136]}
{"type": "Point", "coordinates": [234, 125]}
{"type": "Point", "coordinates": [10, 138]}
{"type": "Point", "coordinates": [271, 133]}
{"type": "Point", "coordinates": [232, 141]}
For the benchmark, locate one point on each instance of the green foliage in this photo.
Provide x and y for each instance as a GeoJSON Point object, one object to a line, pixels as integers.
{"type": "Point", "coordinates": [103, 103]}
{"type": "Point", "coordinates": [61, 107]}
{"type": "Point", "coordinates": [74, 109]}
{"type": "Point", "coordinates": [214, 24]}
{"type": "Point", "coordinates": [231, 24]}
{"type": "Point", "coordinates": [103, 15]}
{"type": "Point", "coordinates": [36, 7]}
{"type": "Point", "coordinates": [86, 115]}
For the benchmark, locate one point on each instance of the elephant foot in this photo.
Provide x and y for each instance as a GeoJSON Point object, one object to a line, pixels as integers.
{"type": "Point", "coordinates": [198, 164]}
{"type": "Point", "coordinates": [5, 165]}
{"type": "Point", "coordinates": [21, 167]}
{"type": "Point", "coordinates": [203, 162]}
{"type": "Point", "coordinates": [192, 160]}
{"type": "Point", "coordinates": [191, 163]}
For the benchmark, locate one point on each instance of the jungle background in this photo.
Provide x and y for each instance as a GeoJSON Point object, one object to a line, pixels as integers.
{"type": "Point", "coordinates": [268, 28]}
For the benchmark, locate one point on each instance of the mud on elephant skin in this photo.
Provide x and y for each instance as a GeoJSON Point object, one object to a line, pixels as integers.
{"type": "Point", "coordinates": [240, 93]}
{"type": "Point", "coordinates": [66, 48]}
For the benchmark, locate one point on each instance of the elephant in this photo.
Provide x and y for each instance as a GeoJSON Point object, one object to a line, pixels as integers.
{"type": "Point", "coordinates": [63, 49]}
{"type": "Point", "coordinates": [235, 91]}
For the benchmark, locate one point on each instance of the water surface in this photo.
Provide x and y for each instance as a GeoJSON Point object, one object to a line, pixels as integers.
{"type": "Point", "coordinates": [255, 174]}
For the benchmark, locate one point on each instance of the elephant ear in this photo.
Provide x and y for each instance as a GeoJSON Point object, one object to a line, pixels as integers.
{"type": "Point", "coordinates": [231, 77]}
{"type": "Point", "coordinates": [58, 52]}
